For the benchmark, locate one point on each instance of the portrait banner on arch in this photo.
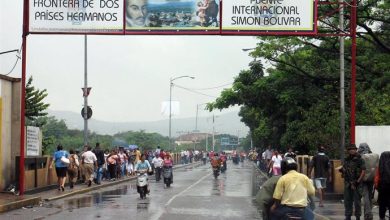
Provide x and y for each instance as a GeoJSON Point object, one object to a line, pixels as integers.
{"type": "Point", "coordinates": [172, 16]}
{"type": "Point", "coordinates": [269, 17]}
{"type": "Point", "coordinates": [76, 16]}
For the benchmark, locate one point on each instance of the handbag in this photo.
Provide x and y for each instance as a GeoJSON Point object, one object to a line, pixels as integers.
{"type": "Point", "coordinates": [65, 160]}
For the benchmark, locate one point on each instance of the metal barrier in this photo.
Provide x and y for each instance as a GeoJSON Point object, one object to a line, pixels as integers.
{"type": "Point", "coordinates": [258, 178]}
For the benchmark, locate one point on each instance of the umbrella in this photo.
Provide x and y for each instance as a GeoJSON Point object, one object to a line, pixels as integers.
{"type": "Point", "coordinates": [132, 147]}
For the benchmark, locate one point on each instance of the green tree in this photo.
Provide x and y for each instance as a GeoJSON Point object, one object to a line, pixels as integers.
{"type": "Point", "coordinates": [297, 104]}
{"type": "Point", "coordinates": [34, 104]}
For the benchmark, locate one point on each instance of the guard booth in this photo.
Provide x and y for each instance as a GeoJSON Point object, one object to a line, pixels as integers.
{"type": "Point", "coordinates": [337, 184]}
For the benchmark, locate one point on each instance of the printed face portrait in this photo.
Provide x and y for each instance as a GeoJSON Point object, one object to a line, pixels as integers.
{"type": "Point", "coordinates": [136, 12]}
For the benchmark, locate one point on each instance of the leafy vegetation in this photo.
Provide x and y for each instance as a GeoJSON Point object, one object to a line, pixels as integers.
{"type": "Point", "coordinates": [297, 104]}
{"type": "Point", "coordinates": [34, 105]}
{"type": "Point", "coordinates": [56, 132]}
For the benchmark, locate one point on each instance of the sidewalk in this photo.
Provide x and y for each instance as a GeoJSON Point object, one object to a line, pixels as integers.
{"type": "Point", "coordinates": [10, 202]}
{"type": "Point", "coordinates": [334, 210]}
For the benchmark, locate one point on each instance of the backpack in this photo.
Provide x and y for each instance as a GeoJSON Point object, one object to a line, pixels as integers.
{"type": "Point", "coordinates": [371, 163]}
{"type": "Point", "coordinates": [72, 163]}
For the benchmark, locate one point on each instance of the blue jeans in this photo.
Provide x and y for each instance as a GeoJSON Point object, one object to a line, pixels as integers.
{"type": "Point", "coordinates": [123, 170]}
{"type": "Point", "coordinates": [99, 174]}
{"type": "Point", "coordinates": [281, 211]}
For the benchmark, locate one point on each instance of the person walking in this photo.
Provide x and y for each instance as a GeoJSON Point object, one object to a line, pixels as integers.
{"type": "Point", "coordinates": [382, 184]}
{"type": "Point", "coordinates": [60, 165]}
{"type": "Point", "coordinates": [100, 163]}
{"type": "Point", "coordinates": [89, 163]}
{"type": "Point", "coordinates": [371, 161]}
{"type": "Point", "coordinates": [122, 162]}
{"type": "Point", "coordinates": [73, 168]}
{"type": "Point", "coordinates": [321, 164]}
{"type": "Point", "coordinates": [112, 160]}
{"type": "Point", "coordinates": [290, 153]}
{"type": "Point", "coordinates": [157, 163]}
{"type": "Point", "coordinates": [275, 164]}
{"type": "Point", "coordinates": [353, 172]}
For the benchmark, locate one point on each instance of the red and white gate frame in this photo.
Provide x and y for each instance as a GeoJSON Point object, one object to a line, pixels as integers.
{"type": "Point", "coordinates": [352, 34]}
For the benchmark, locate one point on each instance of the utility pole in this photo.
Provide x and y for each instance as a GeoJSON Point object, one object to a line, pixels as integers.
{"type": "Point", "coordinates": [170, 113]}
{"type": "Point", "coordinates": [170, 108]}
{"type": "Point", "coordinates": [196, 118]}
{"type": "Point", "coordinates": [342, 96]}
{"type": "Point", "coordinates": [85, 93]}
{"type": "Point", "coordinates": [207, 141]}
{"type": "Point", "coordinates": [213, 133]}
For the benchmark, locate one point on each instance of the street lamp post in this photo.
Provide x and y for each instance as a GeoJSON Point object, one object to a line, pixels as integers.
{"type": "Point", "coordinates": [170, 105]}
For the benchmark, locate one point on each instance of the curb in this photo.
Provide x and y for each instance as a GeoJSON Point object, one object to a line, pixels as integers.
{"type": "Point", "coordinates": [95, 187]}
{"type": "Point", "coordinates": [19, 204]}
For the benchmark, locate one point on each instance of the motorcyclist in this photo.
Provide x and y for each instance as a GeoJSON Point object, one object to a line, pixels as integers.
{"type": "Point", "coordinates": [291, 192]}
{"type": "Point", "coordinates": [216, 161]}
{"type": "Point", "coordinates": [168, 162]}
{"type": "Point", "coordinates": [143, 167]}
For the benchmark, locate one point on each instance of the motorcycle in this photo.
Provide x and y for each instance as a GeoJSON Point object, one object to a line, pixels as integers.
{"type": "Point", "coordinates": [142, 184]}
{"type": "Point", "coordinates": [235, 159]}
{"type": "Point", "coordinates": [216, 172]}
{"type": "Point", "coordinates": [167, 174]}
{"type": "Point", "coordinates": [223, 168]}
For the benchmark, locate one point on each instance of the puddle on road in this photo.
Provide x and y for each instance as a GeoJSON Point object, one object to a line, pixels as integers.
{"type": "Point", "coordinates": [93, 199]}
{"type": "Point", "coordinates": [143, 206]}
{"type": "Point", "coordinates": [218, 188]}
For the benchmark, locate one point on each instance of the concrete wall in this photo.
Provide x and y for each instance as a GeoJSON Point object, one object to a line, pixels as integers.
{"type": "Point", "coordinates": [9, 124]}
{"type": "Point", "coordinates": [377, 137]}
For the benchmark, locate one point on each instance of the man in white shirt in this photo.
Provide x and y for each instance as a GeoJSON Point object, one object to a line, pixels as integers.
{"type": "Point", "coordinates": [157, 163]}
{"type": "Point", "coordinates": [89, 163]}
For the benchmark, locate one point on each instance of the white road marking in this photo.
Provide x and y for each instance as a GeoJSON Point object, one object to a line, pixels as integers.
{"type": "Point", "coordinates": [182, 192]}
{"type": "Point", "coordinates": [158, 214]}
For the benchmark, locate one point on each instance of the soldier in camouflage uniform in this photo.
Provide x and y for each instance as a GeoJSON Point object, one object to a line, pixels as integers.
{"type": "Point", "coordinates": [353, 172]}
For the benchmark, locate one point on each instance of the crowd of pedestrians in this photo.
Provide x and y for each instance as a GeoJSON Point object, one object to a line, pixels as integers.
{"type": "Point", "coordinates": [94, 165]}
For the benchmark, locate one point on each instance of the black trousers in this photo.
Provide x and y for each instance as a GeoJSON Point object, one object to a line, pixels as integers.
{"type": "Point", "coordinates": [112, 170]}
{"type": "Point", "coordinates": [383, 201]}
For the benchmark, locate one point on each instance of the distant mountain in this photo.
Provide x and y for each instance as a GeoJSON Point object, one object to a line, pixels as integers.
{"type": "Point", "coordinates": [227, 123]}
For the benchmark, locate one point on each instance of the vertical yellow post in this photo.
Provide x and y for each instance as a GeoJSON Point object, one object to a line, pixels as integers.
{"type": "Point", "coordinates": [1, 139]}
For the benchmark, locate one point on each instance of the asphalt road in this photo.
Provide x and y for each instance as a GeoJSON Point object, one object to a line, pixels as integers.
{"type": "Point", "coordinates": [195, 194]}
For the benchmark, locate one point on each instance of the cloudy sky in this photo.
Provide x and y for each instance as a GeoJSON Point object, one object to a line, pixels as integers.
{"type": "Point", "coordinates": [129, 75]}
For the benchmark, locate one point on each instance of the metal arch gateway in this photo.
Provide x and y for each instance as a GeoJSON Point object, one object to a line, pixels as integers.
{"type": "Point", "coordinates": [230, 17]}
{"type": "Point", "coordinates": [187, 17]}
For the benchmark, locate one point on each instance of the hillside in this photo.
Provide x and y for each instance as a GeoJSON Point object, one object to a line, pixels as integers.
{"type": "Point", "coordinates": [228, 123]}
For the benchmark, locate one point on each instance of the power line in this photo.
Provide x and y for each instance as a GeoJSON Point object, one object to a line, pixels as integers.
{"type": "Point", "coordinates": [190, 90]}
{"type": "Point", "coordinates": [16, 62]}
{"type": "Point", "coordinates": [215, 87]}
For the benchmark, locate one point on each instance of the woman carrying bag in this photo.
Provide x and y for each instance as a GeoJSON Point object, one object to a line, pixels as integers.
{"type": "Point", "coordinates": [61, 160]}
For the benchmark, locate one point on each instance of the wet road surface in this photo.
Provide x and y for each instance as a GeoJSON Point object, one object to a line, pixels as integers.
{"type": "Point", "coordinates": [195, 194]}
